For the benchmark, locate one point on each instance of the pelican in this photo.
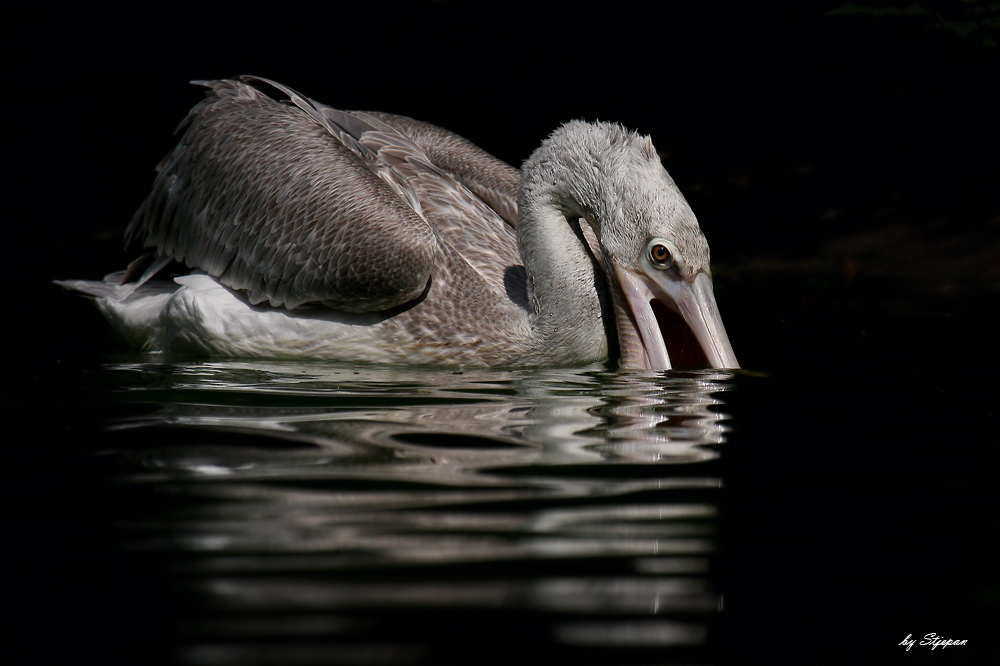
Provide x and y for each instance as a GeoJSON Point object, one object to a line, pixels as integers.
{"type": "Point", "coordinates": [316, 233]}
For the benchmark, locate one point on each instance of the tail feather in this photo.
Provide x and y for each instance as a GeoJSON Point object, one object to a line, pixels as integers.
{"type": "Point", "coordinates": [92, 289]}
{"type": "Point", "coordinates": [111, 289]}
{"type": "Point", "coordinates": [133, 311]}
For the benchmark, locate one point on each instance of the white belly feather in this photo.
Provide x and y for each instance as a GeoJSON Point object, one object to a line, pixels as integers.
{"type": "Point", "coordinates": [196, 314]}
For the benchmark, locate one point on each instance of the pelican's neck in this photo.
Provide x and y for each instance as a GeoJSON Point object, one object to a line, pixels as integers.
{"type": "Point", "coordinates": [565, 287]}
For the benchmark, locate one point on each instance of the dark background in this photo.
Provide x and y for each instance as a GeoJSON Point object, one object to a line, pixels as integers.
{"type": "Point", "coordinates": [843, 167]}
{"type": "Point", "coordinates": [806, 142]}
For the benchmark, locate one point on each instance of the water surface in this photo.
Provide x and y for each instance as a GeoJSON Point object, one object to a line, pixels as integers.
{"type": "Point", "coordinates": [307, 513]}
{"type": "Point", "coordinates": [206, 511]}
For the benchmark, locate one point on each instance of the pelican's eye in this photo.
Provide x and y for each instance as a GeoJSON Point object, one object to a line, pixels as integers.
{"type": "Point", "coordinates": [661, 254]}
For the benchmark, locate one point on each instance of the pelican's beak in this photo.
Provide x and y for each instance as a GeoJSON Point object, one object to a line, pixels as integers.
{"type": "Point", "coordinates": [695, 338]}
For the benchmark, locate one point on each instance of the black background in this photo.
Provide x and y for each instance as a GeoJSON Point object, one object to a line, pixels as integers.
{"type": "Point", "coordinates": [844, 168]}
{"type": "Point", "coordinates": [786, 127]}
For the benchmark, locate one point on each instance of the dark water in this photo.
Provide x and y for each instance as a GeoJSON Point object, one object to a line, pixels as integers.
{"type": "Point", "coordinates": [816, 508]}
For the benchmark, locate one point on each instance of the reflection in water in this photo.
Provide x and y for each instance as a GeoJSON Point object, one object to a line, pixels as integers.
{"type": "Point", "coordinates": [384, 515]}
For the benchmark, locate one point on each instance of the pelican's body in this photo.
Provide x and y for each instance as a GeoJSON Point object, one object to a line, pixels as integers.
{"type": "Point", "coordinates": [318, 233]}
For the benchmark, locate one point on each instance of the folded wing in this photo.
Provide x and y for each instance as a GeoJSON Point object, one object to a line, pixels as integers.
{"type": "Point", "coordinates": [266, 197]}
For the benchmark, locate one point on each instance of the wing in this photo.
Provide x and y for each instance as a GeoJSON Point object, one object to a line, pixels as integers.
{"type": "Point", "coordinates": [464, 221]}
{"type": "Point", "coordinates": [266, 197]}
{"type": "Point", "coordinates": [492, 180]}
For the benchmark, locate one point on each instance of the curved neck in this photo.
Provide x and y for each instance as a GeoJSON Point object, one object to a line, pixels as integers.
{"type": "Point", "coordinates": [565, 285]}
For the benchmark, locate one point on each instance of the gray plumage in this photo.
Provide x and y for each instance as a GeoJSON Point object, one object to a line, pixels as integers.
{"type": "Point", "coordinates": [420, 246]}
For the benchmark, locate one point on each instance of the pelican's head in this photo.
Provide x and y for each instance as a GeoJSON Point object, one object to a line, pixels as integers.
{"type": "Point", "coordinates": [654, 249]}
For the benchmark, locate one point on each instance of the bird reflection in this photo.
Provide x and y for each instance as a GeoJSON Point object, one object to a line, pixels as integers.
{"type": "Point", "coordinates": [310, 476]}
{"type": "Point", "coordinates": [442, 425]}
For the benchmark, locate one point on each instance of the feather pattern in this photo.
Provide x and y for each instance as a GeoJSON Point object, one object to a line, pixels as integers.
{"type": "Point", "coordinates": [262, 196]}
{"type": "Point", "coordinates": [423, 247]}
{"type": "Point", "coordinates": [297, 203]}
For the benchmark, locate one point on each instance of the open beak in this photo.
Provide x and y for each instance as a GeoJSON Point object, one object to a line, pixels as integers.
{"type": "Point", "coordinates": [678, 322]}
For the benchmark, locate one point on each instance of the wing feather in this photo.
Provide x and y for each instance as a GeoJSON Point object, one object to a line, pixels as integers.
{"type": "Point", "coordinates": [491, 179]}
{"type": "Point", "coordinates": [464, 221]}
{"type": "Point", "coordinates": [266, 197]}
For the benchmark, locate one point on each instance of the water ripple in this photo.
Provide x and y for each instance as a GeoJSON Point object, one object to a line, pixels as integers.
{"type": "Point", "coordinates": [323, 501]}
